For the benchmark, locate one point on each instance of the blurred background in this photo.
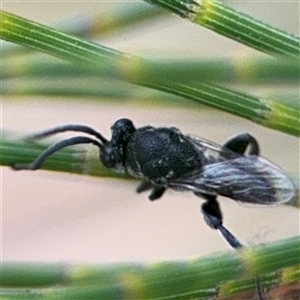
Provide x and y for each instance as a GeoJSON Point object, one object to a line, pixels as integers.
{"type": "Point", "coordinates": [49, 216]}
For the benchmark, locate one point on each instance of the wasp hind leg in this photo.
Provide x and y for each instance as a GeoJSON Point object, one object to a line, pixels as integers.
{"type": "Point", "coordinates": [211, 209]}
{"type": "Point", "coordinates": [213, 218]}
{"type": "Point", "coordinates": [240, 143]}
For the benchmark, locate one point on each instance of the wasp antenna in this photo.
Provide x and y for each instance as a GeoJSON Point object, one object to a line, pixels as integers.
{"type": "Point", "coordinates": [68, 127]}
{"type": "Point", "coordinates": [52, 149]}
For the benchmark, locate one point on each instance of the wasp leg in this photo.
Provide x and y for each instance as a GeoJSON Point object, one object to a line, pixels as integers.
{"type": "Point", "coordinates": [240, 143]}
{"type": "Point", "coordinates": [144, 186]}
{"type": "Point", "coordinates": [157, 192]}
{"type": "Point", "coordinates": [213, 218]}
{"type": "Point", "coordinates": [52, 149]}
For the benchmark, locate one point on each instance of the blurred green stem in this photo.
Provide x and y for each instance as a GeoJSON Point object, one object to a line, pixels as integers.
{"type": "Point", "coordinates": [254, 70]}
{"type": "Point", "coordinates": [127, 67]}
{"type": "Point", "coordinates": [200, 277]}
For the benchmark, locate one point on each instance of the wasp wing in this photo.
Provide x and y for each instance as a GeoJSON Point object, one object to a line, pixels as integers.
{"type": "Point", "coordinates": [249, 179]}
{"type": "Point", "coordinates": [211, 151]}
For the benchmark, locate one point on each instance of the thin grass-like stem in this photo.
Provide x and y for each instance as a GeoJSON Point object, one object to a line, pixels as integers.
{"type": "Point", "coordinates": [259, 71]}
{"type": "Point", "coordinates": [238, 26]}
{"type": "Point", "coordinates": [126, 67]}
{"type": "Point", "coordinates": [100, 25]}
{"type": "Point", "coordinates": [199, 278]}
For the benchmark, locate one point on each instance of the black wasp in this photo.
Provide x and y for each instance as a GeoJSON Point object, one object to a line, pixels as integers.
{"type": "Point", "coordinates": [165, 158]}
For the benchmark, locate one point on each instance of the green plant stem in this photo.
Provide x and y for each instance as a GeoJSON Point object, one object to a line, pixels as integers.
{"type": "Point", "coordinates": [126, 67]}
{"type": "Point", "coordinates": [238, 70]}
{"type": "Point", "coordinates": [261, 111]}
{"type": "Point", "coordinates": [114, 90]}
{"type": "Point", "coordinates": [189, 279]}
{"type": "Point", "coordinates": [72, 88]}
{"type": "Point", "coordinates": [104, 24]}
{"type": "Point", "coordinates": [91, 89]}
{"type": "Point", "coordinates": [78, 160]}
{"type": "Point", "coordinates": [219, 17]}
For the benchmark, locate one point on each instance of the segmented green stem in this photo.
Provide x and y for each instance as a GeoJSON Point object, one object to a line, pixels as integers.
{"type": "Point", "coordinates": [189, 279]}
{"type": "Point", "coordinates": [129, 68]}
{"type": "Point", "coordinates": [238, 26]}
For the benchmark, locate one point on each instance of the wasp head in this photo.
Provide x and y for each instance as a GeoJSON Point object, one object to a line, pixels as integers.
{"type": "Point", "coordinates": [112, 152]}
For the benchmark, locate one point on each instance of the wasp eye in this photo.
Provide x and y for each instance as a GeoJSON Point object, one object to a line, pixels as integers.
{"type": "Point", "coordinates": [109, 155]}
{"type": "Point", "coordinates": [122, 130]}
